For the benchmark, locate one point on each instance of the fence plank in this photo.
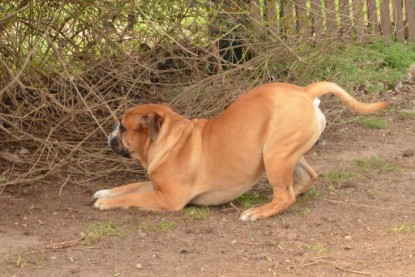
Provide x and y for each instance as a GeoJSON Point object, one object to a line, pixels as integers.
{"type": "Point", "coordinates": [372, 17]}
{"type": "Point", "coordinates": [345, 21]}
{"type": "Point", "coordinates": [398, 18]}
{"type": "Point", "coordinates": [331, 17]}
{"type": "Point", "coordinates": [410, 19]}
{"type": "Point", "coordinates": [301, 8]}
{"type": "Point", "coordinates": [358, 19]}
{"type": "Point", "coordinates": [289, 23]}
{"type": "Point", "coordinates": [271, 16]}
{"type": "Point", "coordinates": [317, 16]}
{"type": "Point", "coordinates": [385, 18]}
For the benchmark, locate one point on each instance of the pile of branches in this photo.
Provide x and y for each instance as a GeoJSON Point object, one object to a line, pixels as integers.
{"type": "Point", "coordinates": [70, 68]}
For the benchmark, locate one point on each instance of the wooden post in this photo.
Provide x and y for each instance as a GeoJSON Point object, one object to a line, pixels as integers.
{"type": "Point", "coordinates": [289, 22]}
{"type": "Point", "coordinates": [410, 19]}
{"type": "Point", "coordinates": [331, 17]}
{"type": "Point", "coordinates": [256, 16]}
{"type": "Point", "coordinates": [399, 26]}
{"type": "Point", "coordinates": [301, 8]}
{"type": "Point", "coordinates": [345, 22]}
{"type": "Point", "coordinates": [372, 17]}
{"type": "Point", "coordinates": [271, 16]}
{"type": "Point", "coordinates": [359, 24]}
{"type": "Point", "coordinates": [317, 16]}
{"type": "Point", "coordinates": [385, 19]}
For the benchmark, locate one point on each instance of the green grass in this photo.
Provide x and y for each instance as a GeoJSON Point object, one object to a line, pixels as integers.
{"type": "Point", "coordinates": [250, 199]}
{"type": "Point", "coordinates": [373, 122]}
{"type": "Point", "coordinates": [403, 229]}
{"type": "Point", "coordinates": [197, 212]}
{"type": "Point", "coordinates": [3, 180]}
{"type": "Point", "coordinates": [405, 114]}
{"type": "Point", "coordinates": [373, 68]}
{"type": "Point", "coordinates": [302, 201]}
{"type": "Point", "coordinates": [375, 163]}
{"type": "Point", "coordinates": [20, 261]}
{"type": "Point", "coordinates": [339, 177]}
{"type": "Point", "coordinates": [97, 231]}
{"type": "Point", "coordinates": [159, 226]}
{"type": "Point", "coordinates": [320, 249]}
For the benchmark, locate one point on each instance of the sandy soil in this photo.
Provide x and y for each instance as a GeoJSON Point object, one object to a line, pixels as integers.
{"type": "Point", "coordinates": [361, 226]}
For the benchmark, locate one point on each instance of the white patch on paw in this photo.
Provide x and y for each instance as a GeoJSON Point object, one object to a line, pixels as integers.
{"type": "Point", "coordinates": [104, 193]}
{"type": "Point", "coordinates": [247, 215]}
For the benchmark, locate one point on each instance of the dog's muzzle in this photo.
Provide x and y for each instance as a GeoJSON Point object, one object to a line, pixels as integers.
{"type": "Point", "coordinates": [114, 142]}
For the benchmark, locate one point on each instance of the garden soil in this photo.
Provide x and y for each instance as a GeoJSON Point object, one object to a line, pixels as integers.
{"type": "Point", "coordinates": [359, 225]}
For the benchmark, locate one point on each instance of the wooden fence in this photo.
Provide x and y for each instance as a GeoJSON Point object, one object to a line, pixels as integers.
{"type": "Point", "coordinates": [344, 18]}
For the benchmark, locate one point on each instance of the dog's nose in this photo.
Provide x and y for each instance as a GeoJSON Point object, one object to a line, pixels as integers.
{"type": "Point", "coordinates": [113, 142]}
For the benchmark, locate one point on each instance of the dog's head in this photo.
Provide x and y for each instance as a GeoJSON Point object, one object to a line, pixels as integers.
{"type": "Point", "coordinates": [139, 127]}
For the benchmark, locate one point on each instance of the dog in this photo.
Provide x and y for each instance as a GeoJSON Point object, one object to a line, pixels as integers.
{"type": "Point", "coordinates": [267, 130]}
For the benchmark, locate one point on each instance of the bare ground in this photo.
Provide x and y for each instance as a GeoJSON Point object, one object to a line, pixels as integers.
{"type": "Point", "coordinates": [363, 226]}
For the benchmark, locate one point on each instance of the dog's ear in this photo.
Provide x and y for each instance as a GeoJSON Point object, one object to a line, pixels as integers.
{"type": "Point", "coordinates": [152, 122]}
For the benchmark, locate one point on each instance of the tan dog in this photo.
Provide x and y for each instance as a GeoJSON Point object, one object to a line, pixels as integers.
{"type": "Point", "coordinates": [208, 162]}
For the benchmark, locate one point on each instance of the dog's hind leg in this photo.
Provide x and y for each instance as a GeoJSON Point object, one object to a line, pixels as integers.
{"type": "Point", "coordinates": [304, 176]}
{"type": "Point", "coordinates": [126, 189]}
{"type": "Point", "coordinates": [280, 172]}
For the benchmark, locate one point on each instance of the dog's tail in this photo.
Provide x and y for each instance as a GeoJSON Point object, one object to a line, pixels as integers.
{"type": "Point", "coordinates": [320, 88]}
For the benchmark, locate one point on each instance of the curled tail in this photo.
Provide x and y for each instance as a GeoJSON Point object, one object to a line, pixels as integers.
{"type": "Point", "coordinates": [321, 88]}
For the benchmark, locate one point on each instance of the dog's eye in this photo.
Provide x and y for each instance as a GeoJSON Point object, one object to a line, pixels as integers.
{"type": "Point", "coordinates": [122, 128]}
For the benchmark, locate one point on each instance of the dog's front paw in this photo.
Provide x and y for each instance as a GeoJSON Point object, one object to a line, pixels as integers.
{"type": "Point", "coordinates": [104, 204]}
{"type": "Point", "coordinates": [104, 193]}
{"type": "Point", "coordinates": [250, 215]}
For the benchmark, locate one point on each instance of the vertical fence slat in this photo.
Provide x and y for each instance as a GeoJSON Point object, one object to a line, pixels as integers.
{"type": "Point", "coordinates": [317, 15]}
{"type": "Point", "coordinates": [257, 16]}
{"type": "Point", "coordinates": [331, 17]}
{"type": "Point", "coordinates": [399, 26]}
{"type": "Point", "coordinates": [271, 16]}
{"type": "Point", "coordinates": [372, 17]}
{"type": "Point", "coordinates": [385, 20]}
{"type": "Point", "coordinates": [358, 19]}
{"type": "Point", "coordinates": [302, 17]}
{"type": "Point", "coordinates": [410, 19]}
{"type": "Point", "coordinates": [345, 22]}
{"type": "Point", "coordinates": [289, 23]}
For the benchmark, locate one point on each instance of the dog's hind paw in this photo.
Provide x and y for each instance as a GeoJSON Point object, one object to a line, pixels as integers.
{"type": "Point", "coordinates": [104, 193]}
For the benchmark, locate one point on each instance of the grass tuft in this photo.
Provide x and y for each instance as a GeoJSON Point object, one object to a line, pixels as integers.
{"type": "Point", "coordinates": [403, 229]}
{"type": "Point", "coordinates": [320, 249]}
{"type": "Point", "coordinates": [250, 199]}
{"type": "Point", "coordinates": [97, 231]}
{"type": "Point", "coordinates": [197, 212]}
{"type": "Point", "coordinates": [339, 177]}
{"type": "Point", "coordinates": [160, 226]}
{"type": "Point", "coordinates": [375, 163]}
{"type": "Point", "coordinates": [373, 122]}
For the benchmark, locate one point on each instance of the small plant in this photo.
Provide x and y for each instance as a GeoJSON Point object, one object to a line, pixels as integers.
{"type": "Point", "coordinates": [312, 193]}
{"type": "Point", "coordinates": [20, 261]}
{"type": "Point", "coordinates": [404, 114]}
{"type": "Point", "coordinates": [3, 180]}
{"type": "Point", "coordinates": [250, 199]}
{"type": "Point", "coordinates": [197, 212]}
{"type": "Point", "coordinates": [31, 207]}
{"type": "Point", "coordinates": [303, 200]}
{"type": "Point", "coordinates": [303, 211]}
{"type": "Point", "coordinates": [320, 249]}
{"type": "Point", "coordinates": [339, 177]}
{"type": "Point", "coordinates": [162, 225]}
{"type": "Point", "coordinates": [373, 122]}
{"type": "Point", "coordinates": [403, 229]}
{"type": "Point", "coordinates": [97, 231]}
{"type": "Point", "coordinates": [375, 163]}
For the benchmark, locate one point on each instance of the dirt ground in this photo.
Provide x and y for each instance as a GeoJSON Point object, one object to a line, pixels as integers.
{"type": "Point", "coordinates": [363, 225]}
